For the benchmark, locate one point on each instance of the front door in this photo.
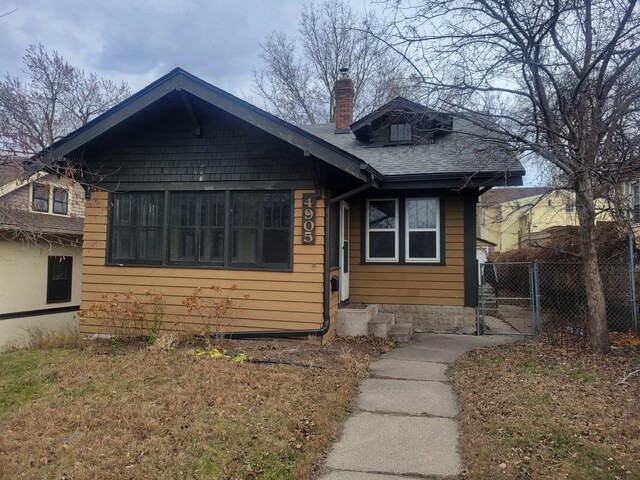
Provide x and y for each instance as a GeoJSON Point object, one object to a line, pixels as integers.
{"type": "Point", "coordinates": [344, 251]}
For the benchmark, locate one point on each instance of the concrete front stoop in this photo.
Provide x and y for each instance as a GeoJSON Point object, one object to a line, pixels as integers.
{"type": "Point", "coordinates": [360, 320]}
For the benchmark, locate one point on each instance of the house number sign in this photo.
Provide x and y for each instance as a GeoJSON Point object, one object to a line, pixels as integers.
{"type": "Point", "coordinates": [308, 218]}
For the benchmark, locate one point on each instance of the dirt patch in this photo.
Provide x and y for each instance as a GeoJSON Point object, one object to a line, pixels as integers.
{"type": "Point", "coordinates": [131, 412]}
{"type": "Point", "coordinates": [533, 410]}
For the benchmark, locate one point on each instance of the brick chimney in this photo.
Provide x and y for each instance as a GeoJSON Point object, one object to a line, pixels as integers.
{"type": "Point", "coordinates": [343, 94]}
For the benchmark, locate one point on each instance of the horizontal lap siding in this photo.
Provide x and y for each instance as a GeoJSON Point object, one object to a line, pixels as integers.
{"type": "Point", "coordinates": [277, 300]}
{"type": "Point", "coordinates": [413, 284]}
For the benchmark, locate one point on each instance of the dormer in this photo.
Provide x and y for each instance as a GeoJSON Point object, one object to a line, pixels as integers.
{"type": "Point", "coordinates": [402, 122]}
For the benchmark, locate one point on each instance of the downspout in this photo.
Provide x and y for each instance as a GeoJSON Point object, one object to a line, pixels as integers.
{"type": "Point", "coordinates": [326, 301]}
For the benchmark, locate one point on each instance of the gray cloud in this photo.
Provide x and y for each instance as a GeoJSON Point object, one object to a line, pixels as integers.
{"type": "Point", "coordinates": [137, 41]}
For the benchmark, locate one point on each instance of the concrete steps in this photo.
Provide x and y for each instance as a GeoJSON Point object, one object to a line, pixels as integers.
{"type": "Point", "coordinates": [360, 320]}
{"type": "Point", "coordinates": [401, 332]}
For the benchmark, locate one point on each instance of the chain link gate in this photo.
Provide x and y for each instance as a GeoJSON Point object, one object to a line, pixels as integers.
{"type": "Point", "coordinates": [529, 298]}
{"type": "Point", "coordinates": [508, 299]}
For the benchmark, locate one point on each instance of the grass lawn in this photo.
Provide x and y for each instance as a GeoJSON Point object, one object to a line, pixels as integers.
{"type": "Point", "coordinates": [532, 410]}
{"type": "Point", "coordinates": [132, 412]}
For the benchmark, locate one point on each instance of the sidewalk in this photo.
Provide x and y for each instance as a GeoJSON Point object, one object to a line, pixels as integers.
{"type": "Point", "coordinates": [405, 423]}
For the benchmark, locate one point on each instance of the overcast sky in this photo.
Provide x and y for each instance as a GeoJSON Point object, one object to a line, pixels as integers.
{"type": "Point", "coordinates": [140, 40]}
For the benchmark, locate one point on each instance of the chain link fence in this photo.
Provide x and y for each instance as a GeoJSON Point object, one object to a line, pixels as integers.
{"type": "Point", "coordinates": [531, 298]}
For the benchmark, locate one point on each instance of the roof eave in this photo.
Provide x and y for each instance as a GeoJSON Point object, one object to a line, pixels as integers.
{"type": "Point", "coordinates": [178, 80]}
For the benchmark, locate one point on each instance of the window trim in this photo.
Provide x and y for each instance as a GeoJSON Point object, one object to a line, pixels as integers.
{"type": "Point", "coordinates": [53, 201]}
{"type": "Point", "coordinates": [407, 231]}
{"type": "Point", "coordinates": [198, 229]}
{"type": "Point", "coordinates": [404, 125]}
{"type": "Point", "coordinates": [33, 192]}
{"type": "Point", "coordinates": [109, 260]}
{"type": "Point", "coordinates": [226, 264]}
{"type": "Point", "coordinates": [260, 263]}
{"type": "Point", "coordinates": [396, 230]}
{"type": "Point", "coordinates": [50, 198]}
{"type": "Point", "coordinates": [68, 260]}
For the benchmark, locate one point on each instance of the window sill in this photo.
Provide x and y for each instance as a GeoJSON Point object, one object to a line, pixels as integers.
{"type": "Point", "coordinates": [438, 263]}
{"type": "Point", "coordinates": [198, 267]}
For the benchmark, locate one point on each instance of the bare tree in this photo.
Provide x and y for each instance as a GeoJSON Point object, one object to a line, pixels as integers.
{"type": "Point", "coordinates": [298, 75]}
{"type": "Point", "coordinates": [557, 79]}
{"type": "Point", "coordinates": [55, 100]}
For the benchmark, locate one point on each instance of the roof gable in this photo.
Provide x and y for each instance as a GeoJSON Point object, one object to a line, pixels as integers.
{"type": "Point", "coordinates": [398, 108]}
{"type": "Point", "coordinates": [180, 80]}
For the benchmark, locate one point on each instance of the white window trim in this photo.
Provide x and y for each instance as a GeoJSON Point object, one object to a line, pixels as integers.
{"type": "Point", "coordinates": [407, 230]}
{"type": "Point", "coordinates": [50, 205]}
{"type": "Point", "coordinates": [396, 230]}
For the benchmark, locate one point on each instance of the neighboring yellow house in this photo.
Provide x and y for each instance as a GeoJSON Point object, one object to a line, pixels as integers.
{"type": "Point", "coordinates": [41, 222]}
{"type": "Point", "coordinates": [508, 216]}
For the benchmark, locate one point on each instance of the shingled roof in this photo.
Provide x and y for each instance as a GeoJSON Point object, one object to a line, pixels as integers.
{"type": "Point", "coordinates": [496, 196]}
{"type": "Point", "coordinates": [468, 150]}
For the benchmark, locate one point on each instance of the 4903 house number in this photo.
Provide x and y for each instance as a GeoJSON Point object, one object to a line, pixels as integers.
{"type": "Point", "coordinates": [308, 218]}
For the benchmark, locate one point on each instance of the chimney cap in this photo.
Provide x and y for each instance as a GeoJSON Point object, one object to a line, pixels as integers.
{"type": "Point", "coordinates": [344, 72]}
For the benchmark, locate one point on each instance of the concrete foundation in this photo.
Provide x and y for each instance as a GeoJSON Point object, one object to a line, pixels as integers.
{"type": "Point", "coordinates": [435, 318]}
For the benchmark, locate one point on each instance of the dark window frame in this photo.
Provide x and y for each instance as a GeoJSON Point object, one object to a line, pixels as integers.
{"type": "Point", "coordinates": [198, 228]}
{"type": "Point", "coordinates": [402, 231]}
{"type": "Point", "coordinates": [67, 263]}
{"type": "Point", "coordinates": [65, 203]}
{"type": "Point", "coordinates": [136, 230]}
{"type": "Point", "coordinates": [46, 199]}
{"type": "Point", "coordinates": [260, 228]}
{"type": "Point", "coordinates": [403, 132]}
{"type": "Point", "coordinates": [227, 264]}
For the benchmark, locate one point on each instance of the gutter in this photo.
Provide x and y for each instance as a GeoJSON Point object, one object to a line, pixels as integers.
{"type": "Point", "coordinates": [326, 301]}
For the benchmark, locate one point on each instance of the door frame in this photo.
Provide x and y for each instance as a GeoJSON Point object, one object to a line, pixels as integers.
{"type": "Point", "coordinates": [343, 245]}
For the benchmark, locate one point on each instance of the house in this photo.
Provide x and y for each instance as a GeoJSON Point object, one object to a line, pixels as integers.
{"type": "Point", "coordinates": [41, 222]}
{"type": "Point", "coordinates": [511, 217]}
{"type": "Point", "coordinates": [191, 187]}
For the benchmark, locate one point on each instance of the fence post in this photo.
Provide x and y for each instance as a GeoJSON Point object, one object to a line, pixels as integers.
{"type": "Point", "coordinates": [632, 285]}
{"type": "Point", "coordinates": [535, 286]}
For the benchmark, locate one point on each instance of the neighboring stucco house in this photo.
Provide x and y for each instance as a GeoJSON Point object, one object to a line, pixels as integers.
{"type": "Point", "coordinates": [193, 187]}
{"type": "Point", "coordinates": [41, 222]}
{"type": "Point", "coordinates": [508, 217]}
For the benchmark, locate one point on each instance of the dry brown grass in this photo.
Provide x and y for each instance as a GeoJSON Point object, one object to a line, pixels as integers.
{"type": "Point", "coordinates": [41, 338]}
{"type": "Point", "coordinates": [141, 413]}
{"type": "Point", "coordinates": [532, 410]}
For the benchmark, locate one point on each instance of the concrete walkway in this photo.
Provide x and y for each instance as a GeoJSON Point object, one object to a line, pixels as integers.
{"type": "Point", "coordinates": [405, 424]}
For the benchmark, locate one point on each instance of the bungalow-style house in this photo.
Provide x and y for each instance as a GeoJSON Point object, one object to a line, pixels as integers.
{"type": "Point", "coordinates": [192, 187]}
{"type": "Point", "coordinates": [41, 222]}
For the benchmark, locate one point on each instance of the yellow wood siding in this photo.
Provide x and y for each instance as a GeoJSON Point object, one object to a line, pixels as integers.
{"type": "Point", "coordinates": [415, 284]}
{"type": "Point", "coordinates": [276, 300]}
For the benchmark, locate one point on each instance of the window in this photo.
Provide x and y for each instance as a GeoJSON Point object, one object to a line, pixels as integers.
{"type": "Point", "coordinates": [422, 239]}
{"type": "Point", "coordinates": [196, 234]}
{"type": "Point", "coordinates": [568, 207]}
{"type": "Point", "coordinates": [400, 132]}
{"type": "Point", "coordinates": [59, 279]}
{"type": "Point", "coordinates": [40, 198]}
{"type": "Point", "coordinates": [261, 229]}
{"type": "Point", "coordinates": [635, 202]}
{"type": "Point", "coordinates": [382, 230]}
{"type": "Point", "coordinates": [240, 229]}
{"type": "Point", "coordinates": [136, 227]}
{"type": "Point", "coordinates": [60, 200]}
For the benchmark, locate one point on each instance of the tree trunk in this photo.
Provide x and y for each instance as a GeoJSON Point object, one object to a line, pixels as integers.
{"type": "Point", "coordinates": [596, 303]}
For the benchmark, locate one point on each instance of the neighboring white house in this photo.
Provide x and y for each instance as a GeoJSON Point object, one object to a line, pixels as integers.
{"type": "Point", "coordinates": [41, 221]}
